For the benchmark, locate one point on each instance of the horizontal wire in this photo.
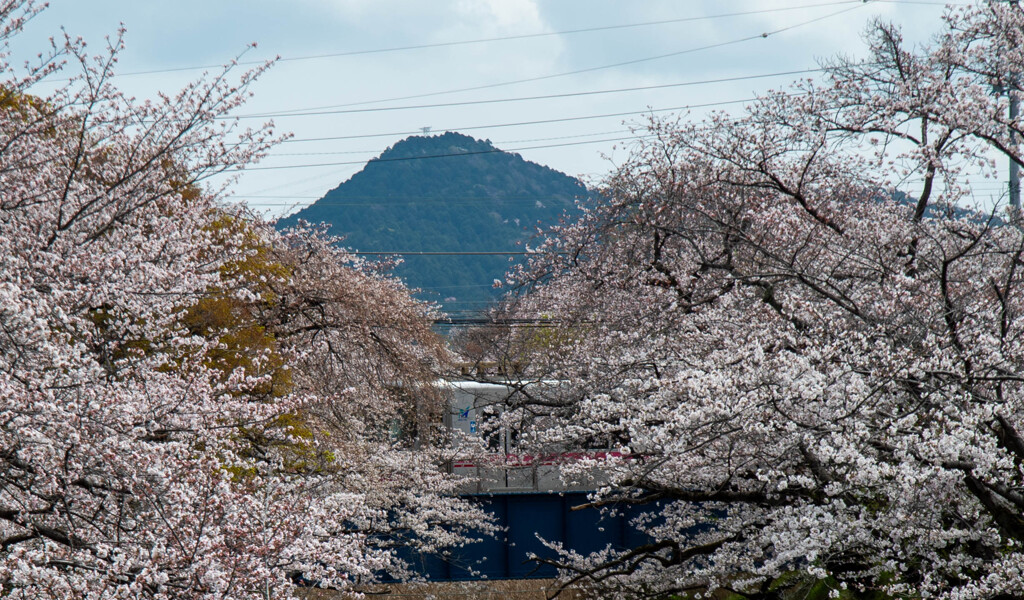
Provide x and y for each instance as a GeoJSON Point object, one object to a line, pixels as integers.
{"type": "Point", "coordinates": [485, 40]}
{"type": "Point", "coordinates": [524, 123]}
{"type": "Point", "coordinates": [445, 253]}
{"type": "Point", "coordinates": [317, 113]}
{"type": "Point", "coordinates": [375, 200]}
{"type": "Point", "coordinates": [475, 88]}
{"type": "Point", "coordinates": [447, 155]}
{"type": "Point", "coordinates": [527, 141]}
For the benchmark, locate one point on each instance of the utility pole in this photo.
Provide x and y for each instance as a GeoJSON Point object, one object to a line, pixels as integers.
{"type": "Point", "coordinates": [1014, 94]}
{"type": "Point", "coordinates": [1014, 166]}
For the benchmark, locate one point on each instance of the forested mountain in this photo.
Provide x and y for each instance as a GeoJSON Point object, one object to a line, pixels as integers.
{"type": "Point", "coordinates": [446, 193]}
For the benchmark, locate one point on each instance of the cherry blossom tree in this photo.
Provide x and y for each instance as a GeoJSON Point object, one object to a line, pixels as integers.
{"type": "Point", "coordinates": [191, 405]}
{"type": "Point", "coordinates": [817, 378]}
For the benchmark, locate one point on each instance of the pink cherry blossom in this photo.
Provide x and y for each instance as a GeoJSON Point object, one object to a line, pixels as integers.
{"type": "Point", "coordinates": [133, 462]}
{"type": "Point", "coordinates": [820, 380]}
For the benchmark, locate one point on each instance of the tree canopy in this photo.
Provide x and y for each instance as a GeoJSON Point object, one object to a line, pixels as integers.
{"type": "Point", "coordinates": [822, 384]}
{"type": "Point", "coordinates": [192, 405]}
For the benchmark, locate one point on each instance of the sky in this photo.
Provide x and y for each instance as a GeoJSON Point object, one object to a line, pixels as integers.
{"type": "Point", "coordinates": [377, 71]}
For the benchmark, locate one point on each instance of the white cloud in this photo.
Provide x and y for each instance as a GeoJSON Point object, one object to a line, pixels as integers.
{"type": "Point", "coordinates": [505, 16]}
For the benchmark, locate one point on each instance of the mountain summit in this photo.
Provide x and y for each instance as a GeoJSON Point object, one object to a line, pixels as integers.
{"type": "Point", "coordinates": [446, 193]}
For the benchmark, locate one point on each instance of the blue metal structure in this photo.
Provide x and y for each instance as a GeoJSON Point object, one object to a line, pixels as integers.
{"type": "Point", "coordinates": [525, 494]}
{"type": "Point", "coordinates": [526, 517]}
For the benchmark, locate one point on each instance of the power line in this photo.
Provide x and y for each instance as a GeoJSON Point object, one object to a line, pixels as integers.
{"type": "Point", "coordinates": [545, 139]}
{"type": "Point", "coordinates": [304, 181]}
{"type": "Point", "coordinates": [286, 59]}
{"type": "Point", "coordinates": [763, 35]}
{"type": "Point", "coordinates": [462, 286]}
{"type": "Point", "coordinates": [470, 200]}
{"type": "Point", "coordinates": [374, 200]}
{"type": "Point", "coordinates": [536, 122]}
{"type": "Point", "coordinates": [404, 201]}
{"type": "Point", "coordinates": [471, 153]}
{"type": "Point", "coordinates": [497, 322]}
{"type": "Point", "coordinates": [479, 127]}
{"type": "Point", "coordinates": [492, 39]}
{"type": "Point", "coordinates": [453, 253]}
{"type": "Point", "coordinates": [447, 155]}
{"type": "Point", "coordinates": [922, 3]}
{"type": "Point", "coordinates": [469, 128]}
{"type": "Point", "coordinates": [279, 197]}
{"type": "Point", "coordinates": [266, 115]}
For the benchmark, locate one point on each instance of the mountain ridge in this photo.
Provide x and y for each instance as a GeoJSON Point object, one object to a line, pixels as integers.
{"type": "Point", "coordinates": [446, 193]}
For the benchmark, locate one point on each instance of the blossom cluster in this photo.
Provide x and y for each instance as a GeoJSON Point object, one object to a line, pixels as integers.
{"type": "Point", "coordinates": [821, 376]}
{"type": "Point", "coordinates": [192, 405]}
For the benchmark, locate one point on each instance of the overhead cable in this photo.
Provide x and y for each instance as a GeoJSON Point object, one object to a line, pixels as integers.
{"type": "Point", "coordinates": [446, 155]}
{"type": "Point", "coordinates": [266, 115]}
{"type": "Point", "coordinates": [527, 141]}
{"type": "Point", "coordinates": [452, 253]}
{"type": "Point", "coordinates": [285, 59]}
{"type": "Point", "coordinates": [635, 61]}
{"type": "Point", "coordinates": [524, 123]}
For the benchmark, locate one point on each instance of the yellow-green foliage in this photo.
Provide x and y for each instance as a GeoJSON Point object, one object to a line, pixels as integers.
{"type": "Point", "coordinates": [543, 340]}
{"type": "Point", "coordinates": [247, 340]}
{"type": "Point", "coordinates": [244, 341]}
{"type": "Point", "coordinates": [28, 108]}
